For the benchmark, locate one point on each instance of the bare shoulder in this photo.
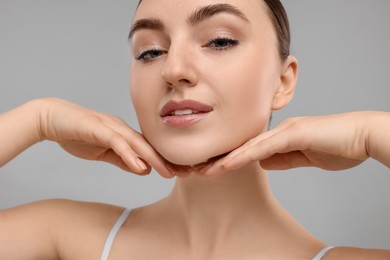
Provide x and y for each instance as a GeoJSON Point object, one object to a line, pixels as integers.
{"type": "Point", "coordinates": [57, 228]}
{"type": "Point", "coordinates": [78, 211]}
{"type": "Point", "coordinates": [357, 254]}
{"type": "Point", "coordinates": [82, 227]}
{"type": "Point", "coordinates": [66, 212]}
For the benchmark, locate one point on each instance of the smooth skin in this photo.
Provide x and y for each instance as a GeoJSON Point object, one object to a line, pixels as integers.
{"type": "Point", "coordinates": [77, 230]}
{"type": "Point", "coordinates": [351, 139]}
{"type": "Point", "coordinates": [99, 137]}
{"type": "Point", "coordinates": [221, 209]}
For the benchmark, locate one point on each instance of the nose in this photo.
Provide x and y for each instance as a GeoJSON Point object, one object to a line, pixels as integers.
{"type": "Point", "coordinates": [179, 68]}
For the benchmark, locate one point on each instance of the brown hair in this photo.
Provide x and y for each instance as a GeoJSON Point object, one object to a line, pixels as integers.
{"type": "Point", "coordinates": [279, 18]}
{"type": "Point", "coordinates": [281, 24]}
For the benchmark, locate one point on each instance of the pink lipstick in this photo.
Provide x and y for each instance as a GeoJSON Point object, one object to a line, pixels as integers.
{"type": "Point", "coordinates": [184, 113]}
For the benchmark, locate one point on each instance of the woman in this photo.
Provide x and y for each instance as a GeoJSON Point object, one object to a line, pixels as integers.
{"type": "Point", "coordinates": [195, 75]}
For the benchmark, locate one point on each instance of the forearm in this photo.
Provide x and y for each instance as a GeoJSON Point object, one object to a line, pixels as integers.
{"type": "Point", "coordinates": [19, 129]}
{"type": "Point", "coordinates": [378, 141]}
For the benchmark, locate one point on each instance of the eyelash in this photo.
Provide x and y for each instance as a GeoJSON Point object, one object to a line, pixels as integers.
{"type": "Point", "coordinates": [154, 51]}
{"type": "Point", "coordinates": [231, 43]}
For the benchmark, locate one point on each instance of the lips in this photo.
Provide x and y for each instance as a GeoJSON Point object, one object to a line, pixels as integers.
{"type": "Point", "coordinates": [184, 113]}
{"type": "Point", "coordinates": [173, 108]}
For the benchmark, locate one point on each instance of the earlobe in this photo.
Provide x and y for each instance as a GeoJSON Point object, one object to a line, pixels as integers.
{"type": "Point", "coordinates": [288, 80]}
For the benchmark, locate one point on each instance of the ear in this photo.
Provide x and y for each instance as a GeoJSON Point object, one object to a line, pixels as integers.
{"type": "Point", "coordinates": [288, 80]}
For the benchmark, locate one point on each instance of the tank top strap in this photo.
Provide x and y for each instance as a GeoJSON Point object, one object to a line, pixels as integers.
{"type": "Point", "coordinates": [114, 231]}
{"type": "Point", "coordinates": [322, 253]}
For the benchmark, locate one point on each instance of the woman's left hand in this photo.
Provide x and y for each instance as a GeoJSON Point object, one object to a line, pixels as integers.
{"type": "Point", "coordinates": [333, 142]}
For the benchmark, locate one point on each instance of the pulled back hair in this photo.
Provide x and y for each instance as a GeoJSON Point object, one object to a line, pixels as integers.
{"type": "Point", "coordinates": [281, 24]}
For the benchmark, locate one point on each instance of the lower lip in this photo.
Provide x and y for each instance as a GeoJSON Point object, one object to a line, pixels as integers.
{"type": "Point", "coordinates": [184, 121]}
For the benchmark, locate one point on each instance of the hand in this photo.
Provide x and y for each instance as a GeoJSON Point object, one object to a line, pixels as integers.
{"type": "Point", "coordinates": [334, 142]}
{"type": "Point", "coordinates": [91, 135]}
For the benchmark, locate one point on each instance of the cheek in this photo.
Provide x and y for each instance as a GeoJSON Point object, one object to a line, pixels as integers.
{"type": "Point", "coordinates": [247, 88]}
{"type": "Point", "coordinates": [241, 89]}
{"type": "Point", "coordinates": [144, 93]}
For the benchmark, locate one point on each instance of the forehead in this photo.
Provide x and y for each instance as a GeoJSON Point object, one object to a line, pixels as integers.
{"type": "Point", "coordinates": [179, 10]}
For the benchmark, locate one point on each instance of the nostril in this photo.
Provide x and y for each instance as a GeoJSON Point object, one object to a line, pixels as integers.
{"type": "Point", "coordinates": [179, 72]}
{"type": "Point", "coordinates": [185, 81]}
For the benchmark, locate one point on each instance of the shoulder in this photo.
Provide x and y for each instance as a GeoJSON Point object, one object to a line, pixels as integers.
{"type": "Point", "coordinates": [52, 212]}
{"type": "Point", "coordinates": [69, 214]}
{"type": "Point", "coordinates": [69, 227]}
{"type": "Point", "coordinates": [357, 254]}
{"type": "Point", "coordinates": [82, 227]}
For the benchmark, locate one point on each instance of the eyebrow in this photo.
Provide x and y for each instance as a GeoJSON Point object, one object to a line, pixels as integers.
{"type": "Point", "coordinates": [210, 10]}
{"type": "Point", "coordinates": [151, 24]}
{"type": "Point", "coordinates": [195, 18]}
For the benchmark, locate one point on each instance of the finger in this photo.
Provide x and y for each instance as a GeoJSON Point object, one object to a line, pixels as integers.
{"type": "Point", "coordinates": [179, 170]}
{"type": "Point", "coordinates": [284, 141]}
{"type": "Point", "coordinates": [143, 149]}
{"type": "Point", "coordinates": [117, 152]}
{"type": "Point", "coordinates": [147, 152]}
{"type": "Point", "coordinates": [286, 161]}
{"type": "Point", "coordinates": [121, 152]}
{"type": "Point", "coordinates": [309, 158]}
{"type": "Point", "coordinates": [183, 174]}
{"type": "Point", "coordinates": [111, 157]}
{"type": "Point", "coordinates": [219, 168]}
{"type": "Point", "coordinates": [213, 170]}
{"type": "Point", "coordinates": [266, 135]}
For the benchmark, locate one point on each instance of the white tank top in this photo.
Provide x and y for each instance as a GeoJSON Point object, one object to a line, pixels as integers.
{"type": "Point", "coordinates": [122, 219]}
{"type": "Point", "coordinates": [111, 236]}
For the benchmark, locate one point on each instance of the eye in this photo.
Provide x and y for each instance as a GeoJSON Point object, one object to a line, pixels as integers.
{"type": "Point", "coordinates": [150, 55]}
{"type": "Point", "coordinates": [222, 43]}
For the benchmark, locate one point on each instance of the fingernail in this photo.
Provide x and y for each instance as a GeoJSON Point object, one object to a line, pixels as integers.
{"type": "Point", "coordinates": [202, 169]}
{"type": "Point", "coordinates": [227, 160]}
{"type": "Point", "coordinates": [230, 165]}
{"type": "Point", "coordinates": [212, 171]}
{"type": "Point", "coordinates": [171, 170]}
{"type": "Point", "coordinates": [141, 165]}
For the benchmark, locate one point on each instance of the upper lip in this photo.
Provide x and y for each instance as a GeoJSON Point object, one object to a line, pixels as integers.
{"type": "Point", "coordinates": [193, 105]}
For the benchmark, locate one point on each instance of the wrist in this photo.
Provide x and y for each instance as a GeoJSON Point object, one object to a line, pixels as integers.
{"type": "Point", "coordinates": [378, 138]}
{"type": "Point", "coordinates": [39, 109]}
{"type": "Point", "coordinates": [19, 130]}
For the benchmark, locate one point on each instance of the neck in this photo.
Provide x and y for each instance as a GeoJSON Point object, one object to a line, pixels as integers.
{"type": "Point", "coordinates": [209, 214]}
{"type": "Point", "coordinates": [208, 210]}
{"type": "Point", "coordinates": [227, 195]}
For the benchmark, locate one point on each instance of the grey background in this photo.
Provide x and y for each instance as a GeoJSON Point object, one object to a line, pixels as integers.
{"type": "Point", "coordinates": [77, 50]}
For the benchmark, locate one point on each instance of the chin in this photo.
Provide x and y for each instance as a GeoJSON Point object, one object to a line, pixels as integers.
{"type": "Point", "coordinates": [193, 148]}
{"type": "Point", "coordinates": [187, 156]}
{"type": "Point", "coordinates": [191, 155]}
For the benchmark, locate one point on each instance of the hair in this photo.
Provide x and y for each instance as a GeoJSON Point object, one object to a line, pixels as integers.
{"type": "Point", "coordinates": [281, 24]}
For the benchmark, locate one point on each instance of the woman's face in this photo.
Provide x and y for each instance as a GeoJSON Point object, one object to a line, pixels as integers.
{"type": "Point", "coordinates": [204, 75]}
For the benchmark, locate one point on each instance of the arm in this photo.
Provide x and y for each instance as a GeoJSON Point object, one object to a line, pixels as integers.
{"type": "Point", "coordinates": [25, 233]}
{"type": "Point", "coordinates": [378, 137]}
{"type": "Point", "coordinates": [50, 230]}
{"type": "Point", "coordinates": [333, 142]}
{"type": "Point", "coordinates": [56, 229]}
{"type": "Point", "coordinates": [82, 132]}
{"type": "Point", "coordinates": [18, 130]}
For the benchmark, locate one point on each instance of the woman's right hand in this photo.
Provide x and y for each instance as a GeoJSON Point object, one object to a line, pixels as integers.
{"type": "Point", "coordinates": [91, 135]}
{"type": "Point", "coordinates": [82, 132]}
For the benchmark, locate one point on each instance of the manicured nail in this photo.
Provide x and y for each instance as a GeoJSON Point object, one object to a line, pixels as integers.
{"type": "Point", "coordinates": [227, 160]}
{"type": "Point", "coordinates": [213, 171]}
{"type": "Point", "coordinates": [141, 165]}
{"type": "Point", "coordinates": [171, 170]}
{"type": "Point", "coordinates": [201, 169]}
